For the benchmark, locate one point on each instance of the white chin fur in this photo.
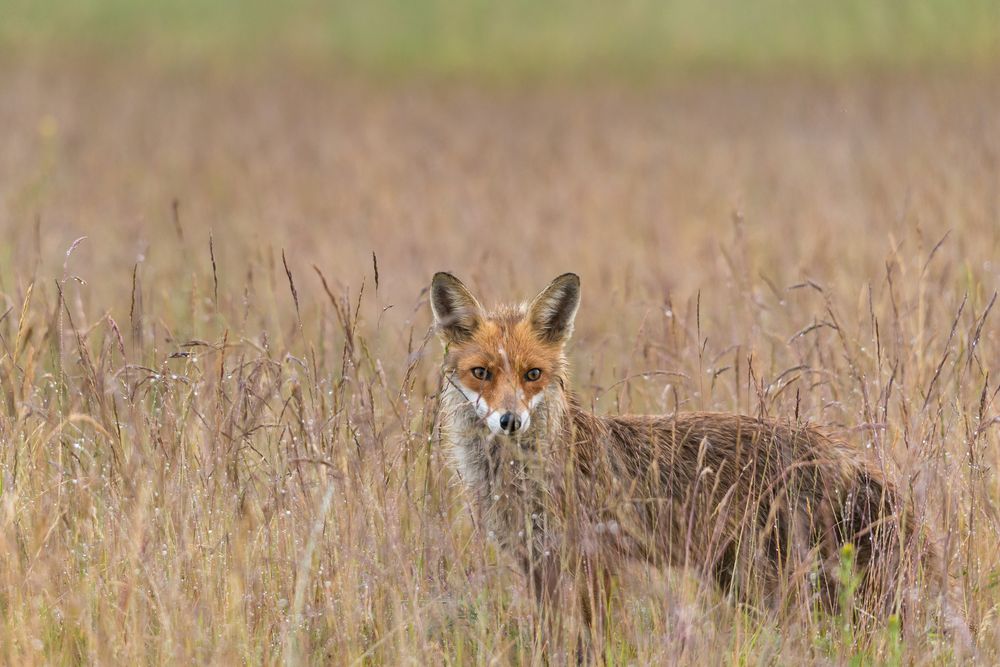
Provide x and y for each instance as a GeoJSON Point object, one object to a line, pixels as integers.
{"type": "Point", "coordinates": [525, 420]}
{"type": "Point", "coordinates": [493, 421]}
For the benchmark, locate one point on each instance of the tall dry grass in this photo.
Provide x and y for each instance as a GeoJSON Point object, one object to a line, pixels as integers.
{"type": "Point", "coordinates": [218, 419]}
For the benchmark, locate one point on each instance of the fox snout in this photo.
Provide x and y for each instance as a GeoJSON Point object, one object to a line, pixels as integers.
{"type": "Point", "coordinates": [508, 422]}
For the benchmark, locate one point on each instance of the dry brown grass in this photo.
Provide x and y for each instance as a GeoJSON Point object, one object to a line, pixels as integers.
{"type": "Point", "coordinates": [202, 463]}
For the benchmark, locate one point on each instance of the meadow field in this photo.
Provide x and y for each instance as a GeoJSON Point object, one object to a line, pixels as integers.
{"type": "Point", "coordinates": [219, 384]}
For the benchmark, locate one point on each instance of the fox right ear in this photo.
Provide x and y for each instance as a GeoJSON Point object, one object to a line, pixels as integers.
{"type": "Point", "coordinates": [456, 312]}
{"type": "Point", "coordinates": [552, 312]}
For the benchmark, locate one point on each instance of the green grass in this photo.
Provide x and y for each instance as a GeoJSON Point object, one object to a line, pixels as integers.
{"type": "Point", "coordinates": [516, 38]}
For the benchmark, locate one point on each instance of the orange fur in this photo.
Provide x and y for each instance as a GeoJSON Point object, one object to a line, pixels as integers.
{"type": "Point", "coordinates": [521, 349]}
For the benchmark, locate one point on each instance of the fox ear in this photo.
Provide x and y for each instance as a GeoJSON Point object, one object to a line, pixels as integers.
{"type": "Point", "coordinates": [552, 312]}
{"type": "Point", "coordinates": [456, 311]}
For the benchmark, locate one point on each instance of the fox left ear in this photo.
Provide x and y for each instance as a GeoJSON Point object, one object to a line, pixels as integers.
{"type": "Point", "coordinates": [552, 312]}
{"type": "Point", "coordinates": [456, 311]}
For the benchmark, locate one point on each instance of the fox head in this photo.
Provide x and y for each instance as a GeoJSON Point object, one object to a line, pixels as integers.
{"type": "Point", "coordinates": [503, 361]}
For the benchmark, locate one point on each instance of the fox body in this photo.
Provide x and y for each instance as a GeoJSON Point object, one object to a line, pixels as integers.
{"type": "Point", "coordinates": [761, 506]}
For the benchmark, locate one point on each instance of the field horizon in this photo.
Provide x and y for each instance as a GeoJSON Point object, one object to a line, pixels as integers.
{"type": "Point", "coordinates": [477, 40]}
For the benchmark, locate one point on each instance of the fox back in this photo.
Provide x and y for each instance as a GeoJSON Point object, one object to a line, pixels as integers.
{"type": "Point", "coordinates": [763, 507]}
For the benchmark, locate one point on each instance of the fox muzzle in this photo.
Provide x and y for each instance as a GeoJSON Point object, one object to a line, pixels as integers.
{"type": "Point", "coordinates": [510, 422]}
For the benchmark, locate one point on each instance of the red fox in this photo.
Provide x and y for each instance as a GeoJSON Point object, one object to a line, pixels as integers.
{"type": "Point", "coordinates": [763, 507]}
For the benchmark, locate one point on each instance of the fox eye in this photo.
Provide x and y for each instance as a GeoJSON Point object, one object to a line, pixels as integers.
{"type": "Point", "coordinates": [533, 374]}
{"type": "Point", "coordinates": [480, 373]}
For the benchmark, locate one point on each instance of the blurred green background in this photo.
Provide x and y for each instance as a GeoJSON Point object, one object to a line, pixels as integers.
{"type": "Point", "coordinates": [513, 38]}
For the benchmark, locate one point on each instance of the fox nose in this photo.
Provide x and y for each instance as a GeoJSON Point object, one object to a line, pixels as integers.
{"type": "Point", "coordinates": [510, 422]}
